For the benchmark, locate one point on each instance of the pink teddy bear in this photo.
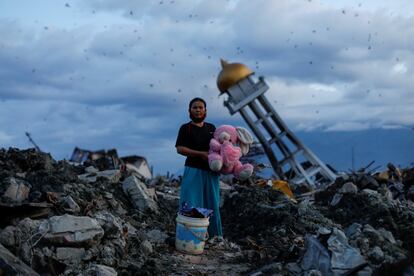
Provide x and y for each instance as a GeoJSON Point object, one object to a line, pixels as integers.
{"type": "Point", "coordinates": [226, 148]}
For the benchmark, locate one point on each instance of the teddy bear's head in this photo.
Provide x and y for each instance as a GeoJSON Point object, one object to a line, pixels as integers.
{"type": "Point", "coordinates": [226, 133]}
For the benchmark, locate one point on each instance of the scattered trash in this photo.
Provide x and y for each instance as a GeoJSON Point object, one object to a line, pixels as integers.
{"type": "Point", "coordinates": [343, 257]}
{"type": "Point", "coordinates": [316, 257]}
{"type": "Point", "coordinates": [283, 186]}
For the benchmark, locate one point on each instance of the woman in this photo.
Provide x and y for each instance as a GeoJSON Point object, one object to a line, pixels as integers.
{"type": "Point", "coordinates": [200, 187]}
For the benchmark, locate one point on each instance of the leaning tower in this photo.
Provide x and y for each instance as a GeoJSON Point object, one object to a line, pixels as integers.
{"type": "Point", "coordinates": [290, 158]}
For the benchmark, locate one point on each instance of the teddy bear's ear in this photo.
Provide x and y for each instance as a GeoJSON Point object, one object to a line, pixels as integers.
{"type": "Point", "coordinates": [245, 139]}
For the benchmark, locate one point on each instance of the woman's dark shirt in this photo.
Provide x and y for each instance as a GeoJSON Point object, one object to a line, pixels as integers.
{"type": "Point", "coordinates": [196, 138]}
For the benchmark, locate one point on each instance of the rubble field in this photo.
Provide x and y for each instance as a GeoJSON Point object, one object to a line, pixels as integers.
{"type": "Point", "coordinates": [59, 218]}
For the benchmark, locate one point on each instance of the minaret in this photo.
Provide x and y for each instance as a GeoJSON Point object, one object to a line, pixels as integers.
{"type": "Point", "coordinates": [291, 160]}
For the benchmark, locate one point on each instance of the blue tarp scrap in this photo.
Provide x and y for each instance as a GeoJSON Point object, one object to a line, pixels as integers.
{"type": "Point", "coordinates": [194, 212]}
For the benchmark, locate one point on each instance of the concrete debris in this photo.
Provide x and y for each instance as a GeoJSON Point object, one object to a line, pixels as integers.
{"type": "Point", "coordinates": [112, 175]}
{"type": "Point", "coordinates": [100, 270]}
{"type": "Point", "coordinates": [142, 198]}
{"type": "Point", "coordinates": [70, 255]}
{"type": "Point", "coordinates": [94, 219]}
{"type": "Point", "coordinates": [17, 190]}
{"type": "Point", "coordinates": [70, 206]}
{"type": "Point", "coordinates": [7, 236]}
{"type": "Point", "coordinates": [11, 265]}
{"type": "Point", "coordinates": [147, 247]}
{"type": "Point", "coordinates": [348, 188]}
{"type": "Point", "coordinates": [71, 230]}
{"type": "Point", "coordinates": [91, 169]}
{"type": "Point", "coordinates": [137, 165]}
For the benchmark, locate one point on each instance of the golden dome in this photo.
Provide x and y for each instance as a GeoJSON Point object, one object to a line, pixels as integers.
{"type": "Point", "coordinates": [231, 74]}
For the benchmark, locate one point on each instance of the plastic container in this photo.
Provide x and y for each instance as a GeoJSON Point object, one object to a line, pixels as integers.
{"type": "Point", "coordinates": [191, 234]}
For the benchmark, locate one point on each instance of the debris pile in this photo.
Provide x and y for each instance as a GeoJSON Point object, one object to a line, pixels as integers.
{"type": "Point", "coordinates": [59, 218]}
{"type": "Point", "coordinates": [64, 219]}
{"type": "Point", "coordinates": [359, 223]}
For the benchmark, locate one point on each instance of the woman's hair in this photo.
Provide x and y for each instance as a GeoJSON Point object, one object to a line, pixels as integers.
{"type": "Point", "coordinates": [197, 100]}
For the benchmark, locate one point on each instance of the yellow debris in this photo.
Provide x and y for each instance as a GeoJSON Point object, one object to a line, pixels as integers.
{"type": "Point", "coordinates": [283, 186]}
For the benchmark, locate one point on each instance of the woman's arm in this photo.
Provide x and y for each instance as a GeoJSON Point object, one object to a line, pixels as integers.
{"type": "Point", "coordinates": [192, 153]}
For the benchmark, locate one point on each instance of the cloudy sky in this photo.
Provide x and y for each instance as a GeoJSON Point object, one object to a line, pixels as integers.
{"type": "Point", "coordinates": [119, 74]}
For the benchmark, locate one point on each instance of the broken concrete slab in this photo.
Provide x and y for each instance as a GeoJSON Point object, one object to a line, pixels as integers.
{"type": "Point", "coordinates": [70, 255]}
{"type": "Point", "coordinates": [387, 235]}
{"type": "Point", "coordinates": [112, 175]}
{"type": "Point", "coordinates": [70, 206]}
{"type": "Point", "coordinates": [91, 169]}
{"type": "Point", "coordinates": [17, 189]}
{"type": "Point", "coordinates": [138, 166]}
{"type": "Point", "coordinates": [114, 227]}
{"type": "Point", "coordinates": [11, 265]}
{"type": "Point", "coordinates": [348, 188]}
{"type": "Point", "coordinates": [100, 270]}
{"type": "Point", "coordinates": [7, 236]}
{"type": "Point", "coordinates": [146, 247]}
{"type": "Point", "coordinates": [138, 192]}
{"type": "Point", "coordinates": [107, 255]}
{"type": "Point", "coordinates": [72, 230]}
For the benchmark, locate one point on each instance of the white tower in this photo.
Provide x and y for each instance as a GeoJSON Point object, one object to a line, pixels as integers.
{"type": "Point", "coordinates": [290, 159]}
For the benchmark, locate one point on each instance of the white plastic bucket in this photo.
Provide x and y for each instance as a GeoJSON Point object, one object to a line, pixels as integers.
{"type": "Point", "coordinates": [191, 234]}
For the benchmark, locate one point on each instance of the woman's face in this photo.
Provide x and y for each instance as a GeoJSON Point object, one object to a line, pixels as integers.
{"type": "Point", "coordinates": [198, 112]}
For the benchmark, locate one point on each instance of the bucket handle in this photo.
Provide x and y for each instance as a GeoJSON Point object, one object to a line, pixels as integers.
{"type": "Point", "coordinates": [198, 236]}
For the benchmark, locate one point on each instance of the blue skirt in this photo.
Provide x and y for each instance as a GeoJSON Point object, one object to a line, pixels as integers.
{"type": "Point", "coordinates": [200, 188]}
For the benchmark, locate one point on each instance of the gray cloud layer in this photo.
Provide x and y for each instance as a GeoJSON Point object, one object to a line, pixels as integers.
{"type": "Point", "coordinates": [120, 73]}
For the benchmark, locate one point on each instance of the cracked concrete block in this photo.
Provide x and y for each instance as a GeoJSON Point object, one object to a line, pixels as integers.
{"type": "Point", "coordinates": [112, 175]}
{"type": "Point", "coordinates": [72, 230]}
{"type": "Point", "coordinates": [17, 190]}
{"type": "Point", "coordinates": [138, 192]}
{"type": "Point", "coordinates": [147, 247]}
{"type": "Point", "coordinates": [70, 255]}
{"type": "Point", "coordinates": [348, 188]}
{"type": "Point", "coordinates": [100, 270]}
{"type": "Point", "coordinates": [70, 205]}
{"type": "Point", "coordinates": [8, 237]}
{"type": "Point", "coordinates": [113, 226]}
{"type": "Point", "coordinates": [91, 169]}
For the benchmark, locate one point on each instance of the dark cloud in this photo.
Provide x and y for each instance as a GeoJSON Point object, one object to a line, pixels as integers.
{"type": "Point", "coordinates": [102, 74]}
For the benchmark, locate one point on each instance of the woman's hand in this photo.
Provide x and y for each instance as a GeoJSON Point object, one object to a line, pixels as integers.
{"type": "Point", "coordinates": [189, 152]}
{"type": "Point", "coordinates": [204, 155]}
